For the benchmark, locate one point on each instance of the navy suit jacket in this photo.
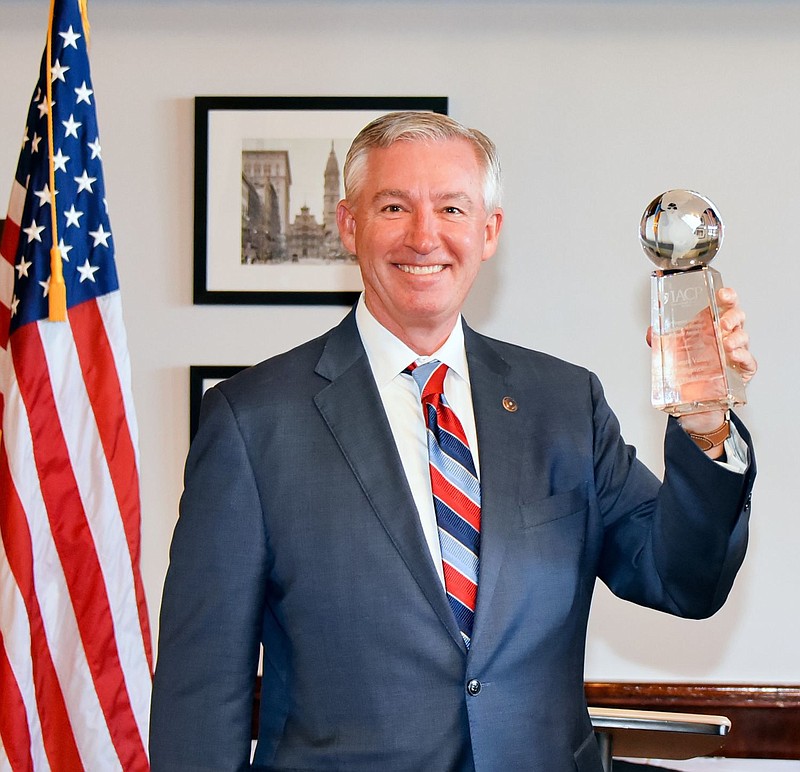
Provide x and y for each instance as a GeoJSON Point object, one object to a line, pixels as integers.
{"type": "Point", "coordinates": [298, 531]}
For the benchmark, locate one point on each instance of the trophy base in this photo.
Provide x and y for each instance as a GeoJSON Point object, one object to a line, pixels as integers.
{"type": "Point", "coordinates": [690, 372]}
{"type": "Point", "coordinates": [687, 408]}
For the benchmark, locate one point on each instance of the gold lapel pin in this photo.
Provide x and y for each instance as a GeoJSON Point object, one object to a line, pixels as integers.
{"type": "Point", "coordinates": [510, 404]}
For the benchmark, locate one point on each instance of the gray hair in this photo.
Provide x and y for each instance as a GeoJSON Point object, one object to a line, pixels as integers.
{"type": "Point", "coordinates": [421, 127]}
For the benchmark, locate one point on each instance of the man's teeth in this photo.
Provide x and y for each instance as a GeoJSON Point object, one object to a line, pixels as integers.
{"type": "Point", "coordinates": [421, 269]}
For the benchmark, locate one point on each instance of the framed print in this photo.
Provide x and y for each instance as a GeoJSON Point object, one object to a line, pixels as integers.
{"type": "Point", "coordinates": [267, 182]}
{"type": "Point", "coordinates": [201, 378]}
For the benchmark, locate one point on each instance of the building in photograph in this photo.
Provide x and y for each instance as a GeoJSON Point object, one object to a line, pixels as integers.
{"type": "Point", "coordinates": [268, 234]}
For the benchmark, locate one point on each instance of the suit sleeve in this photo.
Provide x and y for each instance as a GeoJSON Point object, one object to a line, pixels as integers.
{"type": "Point", "coordinates": [675, 546]}
{"type": "Point", "coordinates": [212, 606]}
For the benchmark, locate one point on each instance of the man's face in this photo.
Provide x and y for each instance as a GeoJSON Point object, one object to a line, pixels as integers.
{"type": "Point", "coordinates": [420, 231]}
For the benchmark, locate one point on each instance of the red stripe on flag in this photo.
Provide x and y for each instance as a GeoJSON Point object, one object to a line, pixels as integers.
{"type": "Point", "coordinates": [105, 395]}
{"type": "Point", "coordinates": [9, 241]}
{"type": "Point", "coordinates": [8, 250]}
{"type": "Point", "coordinates": [461, 504]}
{"type": "Point", "coordinates": [13, 724]}
{"type": "Point", "coordinates": [59, 742]}
{"type": "Point", "coordinates": [75, 546]}
{"type": "Point", "coordinates": [459, 586]}
{"type": "Point", "coordinates": [5, 324]}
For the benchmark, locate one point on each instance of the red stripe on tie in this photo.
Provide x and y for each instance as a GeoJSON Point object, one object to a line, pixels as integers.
{"type": "Point", "coordinates": [75, 546]}
{"type": "Point", "coordinates": [456, 499]}
{"type": "Point", "coordinates": [448, 421]}
{"type": "Point", "coordinates": [459, 586]}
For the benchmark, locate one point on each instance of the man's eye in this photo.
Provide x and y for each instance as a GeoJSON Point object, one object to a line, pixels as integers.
{"type": "Point", "coordinates": [393, 208]}
{"type": "Point", "coordinates": [453, 210]}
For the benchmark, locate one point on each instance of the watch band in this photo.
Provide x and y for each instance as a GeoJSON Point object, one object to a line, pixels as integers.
{"type": "Point", "coordinates": [708, 440]}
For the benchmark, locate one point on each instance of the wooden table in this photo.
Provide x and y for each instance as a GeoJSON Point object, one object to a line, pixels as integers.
{"type": "Point", "coordinates": [649, 734]}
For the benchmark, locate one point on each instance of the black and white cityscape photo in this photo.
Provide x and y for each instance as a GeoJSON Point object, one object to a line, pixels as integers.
{"type": "Point", "coordinates": [290, 189]}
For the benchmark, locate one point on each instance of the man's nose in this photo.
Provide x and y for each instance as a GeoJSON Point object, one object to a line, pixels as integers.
{"type": "Point", "coordinates": [422, 234]}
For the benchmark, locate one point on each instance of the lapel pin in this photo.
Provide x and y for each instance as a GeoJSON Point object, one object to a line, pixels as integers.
{"type": "Point", "coordinates": [510, 404]}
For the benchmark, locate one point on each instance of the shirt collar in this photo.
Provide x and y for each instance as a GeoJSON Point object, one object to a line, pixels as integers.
{"type": "Point", "coordinates": [389, 356]}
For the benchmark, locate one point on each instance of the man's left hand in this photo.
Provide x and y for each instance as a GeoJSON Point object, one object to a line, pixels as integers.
{"type": "Point", "coordinates": [736, 343]}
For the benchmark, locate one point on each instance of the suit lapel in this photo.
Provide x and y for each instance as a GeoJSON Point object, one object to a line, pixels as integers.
{"type": "Point", "coordinates": [348, 404]}
{"type": "Point", "coordinates": [499, 427]}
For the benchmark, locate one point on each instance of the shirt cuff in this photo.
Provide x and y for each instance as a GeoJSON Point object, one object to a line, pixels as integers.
{"type": "Point", "coordinates": [736, 452]}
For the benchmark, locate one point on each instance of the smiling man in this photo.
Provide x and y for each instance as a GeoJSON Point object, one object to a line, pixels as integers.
{"type": "Point", "coordinates": [410, 517]}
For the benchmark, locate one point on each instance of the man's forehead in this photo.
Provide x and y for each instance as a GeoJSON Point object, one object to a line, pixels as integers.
{"type": "Point", "coordinates": [437, 195]}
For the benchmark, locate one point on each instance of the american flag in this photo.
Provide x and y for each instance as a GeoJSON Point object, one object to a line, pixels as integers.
{"type": "Point", "coordinates": [75, 645]}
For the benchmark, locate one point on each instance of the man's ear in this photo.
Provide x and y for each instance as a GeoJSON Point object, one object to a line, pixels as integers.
{"type": "Point", "coordinates": [492, 234]}
{"type": "Point", "coordinates": [346, 222]}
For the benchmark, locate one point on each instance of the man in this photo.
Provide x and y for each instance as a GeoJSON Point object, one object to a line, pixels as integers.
{"type": "Point", "coordinates": [308, 525]}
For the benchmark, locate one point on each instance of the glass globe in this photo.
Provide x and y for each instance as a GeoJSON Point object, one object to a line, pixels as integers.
{"type": "Point", "coordinates": [680, 229]}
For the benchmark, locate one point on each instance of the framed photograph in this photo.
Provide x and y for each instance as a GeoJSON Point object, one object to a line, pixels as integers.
{"type": "Point", "coordinates": [267, 181]}
{"type": "Point", "coordinates": [201, 378]}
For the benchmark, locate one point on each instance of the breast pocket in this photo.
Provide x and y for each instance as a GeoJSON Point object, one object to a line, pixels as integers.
{"type": "Point", "coordinates": [550, 551]}
{"type": "Point", "coordinates": [546, 510]}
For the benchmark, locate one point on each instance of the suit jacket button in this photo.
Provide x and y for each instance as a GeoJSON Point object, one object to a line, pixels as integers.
{"type": "Point", "coordinates": [473, 686]}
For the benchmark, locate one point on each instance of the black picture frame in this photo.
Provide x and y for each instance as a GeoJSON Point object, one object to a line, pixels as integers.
{"type": "Point", "coordinates": [202, 377]}
{"type": "Point", "coordinates": [238, 258]}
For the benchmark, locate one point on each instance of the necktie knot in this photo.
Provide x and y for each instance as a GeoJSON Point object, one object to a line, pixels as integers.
{"type": "Point", "coordinates": [429, 378]}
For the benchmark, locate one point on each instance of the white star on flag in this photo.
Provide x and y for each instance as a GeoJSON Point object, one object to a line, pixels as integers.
{"type": "Point", "coordinates": [73, 216]}
{"type": "Point", "coordinates": [84, 93]}
{"type": "Point", "coordinates": [22, 267]}
{"type": "Point", "coordinates": [87, 271]}
{"type": "Point", "coordinates": [57, 72]}
{"type": "Point", "coordinates": [60, 161]}
{"type": "Point", "coordinates": [70, 38]}
{"type": "Point", "coordinates": [71, 126]}
{"type": "Point", "coordinates": [100, 236]}
{"type": "Point", "coordinates": [45, 197]}
{"type": "Point", "coordinates": [33, 231]}
{"type": "Point", "coordinates": [64, 249]}
{"type": "Point", "coordinates": [85, 182]}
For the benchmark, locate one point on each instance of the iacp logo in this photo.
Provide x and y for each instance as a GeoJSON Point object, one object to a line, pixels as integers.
{"type": "Point", "coordinates": [681, 296]}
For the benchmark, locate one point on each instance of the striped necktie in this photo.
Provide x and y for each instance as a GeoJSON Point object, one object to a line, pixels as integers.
{"type": "Point", "coordinates": [456, 494]}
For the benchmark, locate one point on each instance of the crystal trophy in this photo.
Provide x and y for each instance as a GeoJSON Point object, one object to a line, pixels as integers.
{"type": "Point", "coordinates": [681, 233]}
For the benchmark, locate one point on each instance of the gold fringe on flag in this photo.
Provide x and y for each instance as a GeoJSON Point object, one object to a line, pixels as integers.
{"type": "Point", "coordinates": [84, 4]}
{"type": "Point", "coordinates": [57, 293]}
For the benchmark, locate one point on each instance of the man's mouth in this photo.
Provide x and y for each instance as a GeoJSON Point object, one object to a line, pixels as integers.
{"type": "Point", "coordinates": [420, 269]}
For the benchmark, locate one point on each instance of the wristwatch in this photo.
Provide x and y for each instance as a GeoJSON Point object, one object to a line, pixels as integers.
{"type": "Point", "coordinates": [708, 440]}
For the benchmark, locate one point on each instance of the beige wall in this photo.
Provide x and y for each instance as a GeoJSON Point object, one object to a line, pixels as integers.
{"type": "Point", "coordinates": [596, 108]}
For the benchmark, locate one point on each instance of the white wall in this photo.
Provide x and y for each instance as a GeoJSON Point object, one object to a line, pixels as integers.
{"type": "Point", "coordinates": [596, 107]}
